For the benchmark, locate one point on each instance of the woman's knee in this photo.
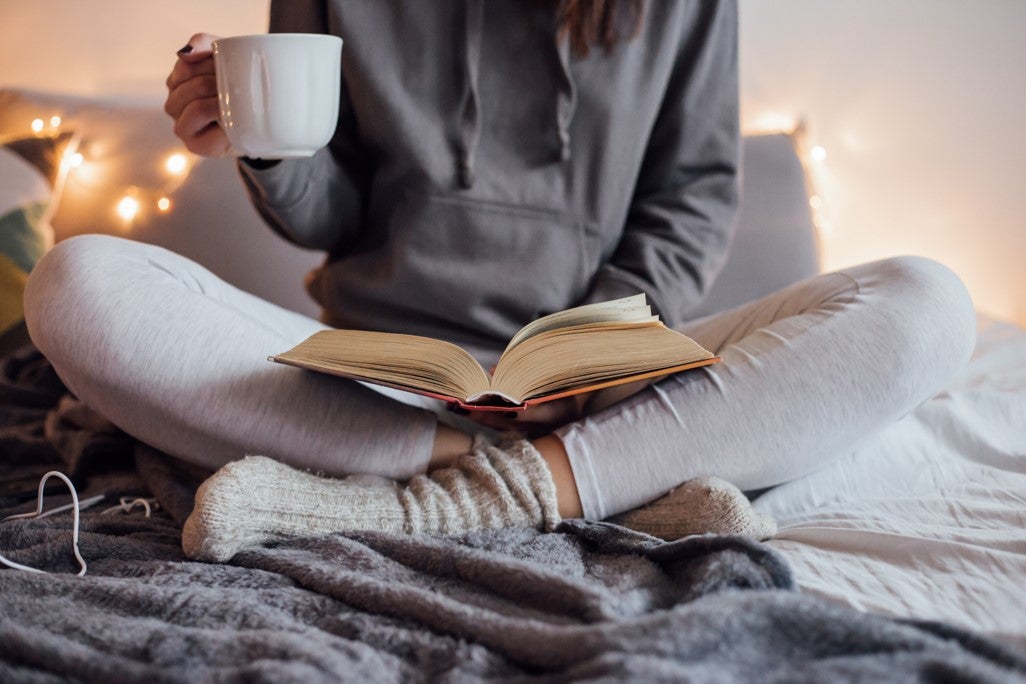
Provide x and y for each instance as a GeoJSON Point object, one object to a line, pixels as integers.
{"type": "Point", "coordinates": [927, 308]}
{"type": "Point", "coordinates": [66, 286]}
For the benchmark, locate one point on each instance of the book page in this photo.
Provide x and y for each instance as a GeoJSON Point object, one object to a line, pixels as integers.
{"type": "Point", "coordinates": [404, 361]}
{"type": "Point", "coordinates": [631, 308]}
{"type": "Point", "coordinates": [589, 354]}
{"type": "Point", "coordinates": [585, 346]}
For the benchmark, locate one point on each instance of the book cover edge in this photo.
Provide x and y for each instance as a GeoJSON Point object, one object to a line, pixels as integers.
{"type": "Point", "coordinates": [534, 401]}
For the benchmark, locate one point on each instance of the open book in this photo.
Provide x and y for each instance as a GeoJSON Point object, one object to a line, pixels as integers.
{"type": "Point", "coordinates": [578, 350]}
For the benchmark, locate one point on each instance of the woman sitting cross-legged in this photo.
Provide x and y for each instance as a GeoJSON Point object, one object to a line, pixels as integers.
{"type": "Point", "coordinates": [531, 157]}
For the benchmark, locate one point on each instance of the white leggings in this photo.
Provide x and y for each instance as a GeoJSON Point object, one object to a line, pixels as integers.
{"type": "Point", "coordinates": [178, 358]}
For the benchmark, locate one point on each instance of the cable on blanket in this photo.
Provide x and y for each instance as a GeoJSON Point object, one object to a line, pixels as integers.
{"type": "Point", "coordinates": [75, 506]}
{"type": "Point", "coordinates": [126, 505]}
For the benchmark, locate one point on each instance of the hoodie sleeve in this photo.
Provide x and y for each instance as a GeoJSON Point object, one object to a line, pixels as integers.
{"type": "Point", "coordinates": [681, 219]}
{"type": "Point", "coordinates": [314, 202]}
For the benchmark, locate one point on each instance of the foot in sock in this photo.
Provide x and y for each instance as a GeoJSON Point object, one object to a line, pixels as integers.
{"type": "Point", "coordinates": [257, 499]}
{"type": "Point", "coordinates": [699, 506]}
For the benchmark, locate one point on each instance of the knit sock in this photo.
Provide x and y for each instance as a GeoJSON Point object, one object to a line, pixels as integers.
{"type": "Point", "coordinates": [699, 506]}
{"type": "Point", "coordinates": [257, 499]}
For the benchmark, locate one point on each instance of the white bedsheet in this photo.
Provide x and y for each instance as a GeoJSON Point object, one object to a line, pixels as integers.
{"type": "Point", "coordinates": [927, 519]}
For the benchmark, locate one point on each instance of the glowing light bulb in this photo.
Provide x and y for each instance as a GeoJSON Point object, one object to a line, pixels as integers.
{"type": "Point", "coordinates": [163, 204]}
{"type": "Point", "coordinates": [75, 160]}
{"type": "Point", "coordinates": [55, 121]}
{"type": "Point", "coordinates": [128, 207]}
{"type": "Point", "coordinates": [176, 164]}
{"type": "Point", "coordinates": [37, 125]}
{"type": "Point", "coordinates": [818, 153]}
{"type": "Point", "coordinates": [774, 122]}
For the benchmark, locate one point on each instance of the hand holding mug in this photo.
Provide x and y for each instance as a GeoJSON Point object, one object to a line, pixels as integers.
{"type": "Point", "coordinates": [272, 96]}
{"type": "Point", "coordinates": [192, 98]}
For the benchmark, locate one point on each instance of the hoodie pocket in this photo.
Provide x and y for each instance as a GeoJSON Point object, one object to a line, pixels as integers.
{"type": "Point", "coordinates": [451, 264]}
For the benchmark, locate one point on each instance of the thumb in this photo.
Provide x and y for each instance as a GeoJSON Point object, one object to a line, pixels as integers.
{"type": "Point", "coordinates": [198, 48]}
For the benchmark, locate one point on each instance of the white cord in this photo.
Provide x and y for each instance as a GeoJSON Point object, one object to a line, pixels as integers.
{"type": "Point", "coordinates": [74, 506]}
{"type": "Point", "coordinates": [126, 505]}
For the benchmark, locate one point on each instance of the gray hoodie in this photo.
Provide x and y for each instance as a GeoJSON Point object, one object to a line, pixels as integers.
{"type": "Point", "coordinates": [482, 175]}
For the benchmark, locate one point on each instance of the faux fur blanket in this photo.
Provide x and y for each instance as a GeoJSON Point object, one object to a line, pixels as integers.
{"type": "Point", "coordinates": [589, 601]}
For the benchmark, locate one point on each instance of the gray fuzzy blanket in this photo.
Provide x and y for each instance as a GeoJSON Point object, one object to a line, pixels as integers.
{"type": "Point", "coordinates": [591, 601]}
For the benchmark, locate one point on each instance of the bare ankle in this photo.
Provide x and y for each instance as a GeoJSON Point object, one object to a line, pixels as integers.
{"type": "Point", "coordinates": [449, 445]}
{"type": "Point", "coordinates": [555, 456]}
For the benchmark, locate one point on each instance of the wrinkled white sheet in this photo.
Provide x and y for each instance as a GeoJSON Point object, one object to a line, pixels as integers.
{"type": "Point", "coordinates": [927, 519]}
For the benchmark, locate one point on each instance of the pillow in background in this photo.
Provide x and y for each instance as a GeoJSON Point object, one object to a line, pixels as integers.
{"type": "Point", "coordinates": [776, 242]}
{"type": "Point", "coordinates": [32, 172]}
{"type": "Point", "coordinates": [125, 145]}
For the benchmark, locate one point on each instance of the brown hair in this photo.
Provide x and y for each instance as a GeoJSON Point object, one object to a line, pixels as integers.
{"type": "Point", "coordinates": [604, 23]}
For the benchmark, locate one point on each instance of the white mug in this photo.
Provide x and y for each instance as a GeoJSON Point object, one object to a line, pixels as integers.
{"type": "Point", "coordinates": [278, 93]}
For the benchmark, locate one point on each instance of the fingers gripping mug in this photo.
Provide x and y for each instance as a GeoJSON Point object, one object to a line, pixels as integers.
{"type": "Point", "coordinates": [278, 93]}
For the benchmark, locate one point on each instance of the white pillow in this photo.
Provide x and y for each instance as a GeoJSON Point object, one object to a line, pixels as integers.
{"type": "Point", "coordinates": [776, 242]}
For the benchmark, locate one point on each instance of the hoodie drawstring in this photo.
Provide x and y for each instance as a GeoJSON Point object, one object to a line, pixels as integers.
{"type": "Point", "coordinates": [566, 100]}
{"type": "Point", "coordinates": [470, 120]}
{"type": "Point", "coordinates": [470, 124]}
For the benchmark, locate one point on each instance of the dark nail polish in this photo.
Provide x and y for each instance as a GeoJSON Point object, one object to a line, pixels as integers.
{"type": "Point", "coordinates": [185, 50]}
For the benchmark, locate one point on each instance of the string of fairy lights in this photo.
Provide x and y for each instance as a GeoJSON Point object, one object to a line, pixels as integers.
{"type": "Point", "coordinates": [134, 199]}
{"type": "Point", "coordinates": [818, 179]}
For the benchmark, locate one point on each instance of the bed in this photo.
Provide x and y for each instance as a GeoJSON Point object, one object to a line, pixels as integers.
{"type": "Point", "coordinates": [928, 519]}
{"type": "Point", "coordinates": [905, 559]}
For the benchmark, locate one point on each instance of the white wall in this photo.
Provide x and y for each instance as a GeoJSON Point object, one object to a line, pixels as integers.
{"type": "Point", "coordinates": [124, 47]}
{"type": "Point", "coordinates": [918, 103]}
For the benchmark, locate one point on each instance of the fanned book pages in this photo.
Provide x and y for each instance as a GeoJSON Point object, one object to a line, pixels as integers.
{"type": "Point", "coordinates": [578, 350]}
